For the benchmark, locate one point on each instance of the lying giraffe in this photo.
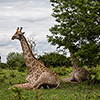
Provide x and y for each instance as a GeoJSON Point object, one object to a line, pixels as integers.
{"type": "Point", "coordinates": [78, 75]}
{"type": "Point", "coordinates": [38, 75]}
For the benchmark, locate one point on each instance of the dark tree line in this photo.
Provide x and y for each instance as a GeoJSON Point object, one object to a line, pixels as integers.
{"type": "Point", "coordinates": [16, 60]}
{"type": "Point", "coordinates": [55, 59]}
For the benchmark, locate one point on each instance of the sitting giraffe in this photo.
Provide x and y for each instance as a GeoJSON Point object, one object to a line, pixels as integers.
{"type": "Point", "coordinates": [38, 75]}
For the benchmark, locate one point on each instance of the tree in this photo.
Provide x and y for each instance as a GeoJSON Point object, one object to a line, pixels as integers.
{"type": "Point", "coordinates": [77, 29]}
{"type": "Point", "coordinates": [0, 58]}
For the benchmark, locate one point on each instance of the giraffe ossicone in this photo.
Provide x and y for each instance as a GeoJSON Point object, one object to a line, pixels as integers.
{"type": "Point", "coordinates": [38, 75]}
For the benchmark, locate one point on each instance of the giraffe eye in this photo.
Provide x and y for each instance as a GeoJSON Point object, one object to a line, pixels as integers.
{"type": "Point", "coordinates": [20, 34]}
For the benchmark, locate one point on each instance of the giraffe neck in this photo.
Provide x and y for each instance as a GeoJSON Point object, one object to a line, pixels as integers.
{"type": "Point", "coordinates": [29, 58]}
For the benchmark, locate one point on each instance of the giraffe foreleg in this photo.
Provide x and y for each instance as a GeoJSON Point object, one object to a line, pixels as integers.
{"type": "Point", "coordinates": [23, 86]}
{"type": "Point", "coordinates": [41, 80]}
{"type": "Point", "coordinates": [47, 79]}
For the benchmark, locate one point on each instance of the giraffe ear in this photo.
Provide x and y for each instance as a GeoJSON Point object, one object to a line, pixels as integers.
{"type": "Point", "coordinates": [23, 33]}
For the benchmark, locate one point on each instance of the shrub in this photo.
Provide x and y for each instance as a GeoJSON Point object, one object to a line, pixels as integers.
{"type": "Point", "coordinates": [95, 72]}
{"type": "Point", "coordinates": [3, 65]}
{"type": "Point", "coordinates": [16, 61]}
{"type": "Point", "coordinates": [62, 70]}
{"type": "Point", "coordinates": [55, 59]}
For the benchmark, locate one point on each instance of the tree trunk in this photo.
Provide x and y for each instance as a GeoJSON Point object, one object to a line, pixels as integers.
{"type": "Point", "coordinates": [73, 60]}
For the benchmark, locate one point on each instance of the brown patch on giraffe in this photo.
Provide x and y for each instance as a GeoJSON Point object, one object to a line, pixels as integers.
{"type": "Point", "coordinates": [41, 68]}
{"type": "Point", "coordinates": [28, 62]}
{"type": "Point", "coordinates": [25, 48]}
{"type": "Point", "coordinates": [33, 64]}
{"type": "Point", "coordinates": [27, 51]}
{"type": "Point", "coordinates": [37, 71]}
{"type": "Point", "coordinates": [29, 55]}
{"type": "Point", "coordinates": [30, 59]}
{"type": "Point", "coordinates": [25, 59]}
{"type": "Point", "coordinates": [24, 53]}
{"type": "Point", "coordinates": [30, 66]}
{"type": "Point", "coordinates": [33, 69]}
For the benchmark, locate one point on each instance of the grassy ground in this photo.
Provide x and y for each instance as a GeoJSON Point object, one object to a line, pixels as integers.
{"type": "Point", "coordinates": [67, 91]}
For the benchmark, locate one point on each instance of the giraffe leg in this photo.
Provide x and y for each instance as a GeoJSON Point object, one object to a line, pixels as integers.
{"type": "Point", "coordinates": [77, 77]}
{"type": "Point", "coordinates": [45, 78]}
{"type": "Point", "coordinates": [48, 87]}
{"type": "Point", "coordinates": [23, 86]}
{"type": "Point", "coordinates": [58, 85]}
{"type": "Point", "coordinates": [41, 80]}
{"type": "Point", "coordinates": [37, 84]}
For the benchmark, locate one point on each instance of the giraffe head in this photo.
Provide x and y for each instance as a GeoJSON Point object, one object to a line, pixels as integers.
{"type": "Point", "coordinates": [18, 35]}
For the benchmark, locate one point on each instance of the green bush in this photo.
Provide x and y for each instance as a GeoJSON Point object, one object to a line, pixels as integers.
{"type": "Point", "coordinates": [62, 70]}
{"type": "Point", "coordinates": [95, 72]}
{"type": "Point", "coordinates": [3, 65]}
{"type": "Point", "coordinates": [55, 59]}
{"type": "Point", "coordinates": [16, 61]}
{"type": "Point", "coordinates": [2, 76]}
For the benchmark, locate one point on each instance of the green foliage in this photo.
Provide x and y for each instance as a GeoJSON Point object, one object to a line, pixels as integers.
{"type": "Point", "coordinates": [2, 76]}
{"type": "Point", "coordinates": [95, 72]}
{"type": "Point", "coordinates": [88, 55]}
{"type": "Point", "coordinates": [62, 70]}
{"type": "Point", "coordinates": [12, 74]}
{"type": "Point", "coordinates": [77, 29]}
{"type": "Point", "coordinates": [3, 65]}
{"type": "Point", "coordinates": [16, 61]}
{"type": "Point", "coordinates": [55, 59]}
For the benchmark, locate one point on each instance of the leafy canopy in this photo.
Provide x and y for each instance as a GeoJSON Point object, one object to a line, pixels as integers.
{"type": "Point", "coordinates": [77, 29]}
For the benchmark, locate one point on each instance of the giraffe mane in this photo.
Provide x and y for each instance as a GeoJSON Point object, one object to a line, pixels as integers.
{"type": "Point", "coordinates": [32, 52]}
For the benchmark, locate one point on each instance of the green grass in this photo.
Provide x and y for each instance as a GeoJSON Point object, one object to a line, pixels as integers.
{"type": "Point", "coordinates": [67, 91]}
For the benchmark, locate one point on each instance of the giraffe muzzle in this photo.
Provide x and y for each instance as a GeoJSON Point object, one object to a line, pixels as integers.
{"type": "Point", "coordinates": [13, 38]}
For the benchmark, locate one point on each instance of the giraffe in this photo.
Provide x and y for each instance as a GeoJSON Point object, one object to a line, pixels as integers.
{"type": "Point", "coordinates": [38, 75]}
{"type": "Point", "coordinates": [78, 75]}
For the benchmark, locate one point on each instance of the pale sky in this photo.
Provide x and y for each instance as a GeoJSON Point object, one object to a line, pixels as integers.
{"type": "Point", "coordinates": [35, 18]}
